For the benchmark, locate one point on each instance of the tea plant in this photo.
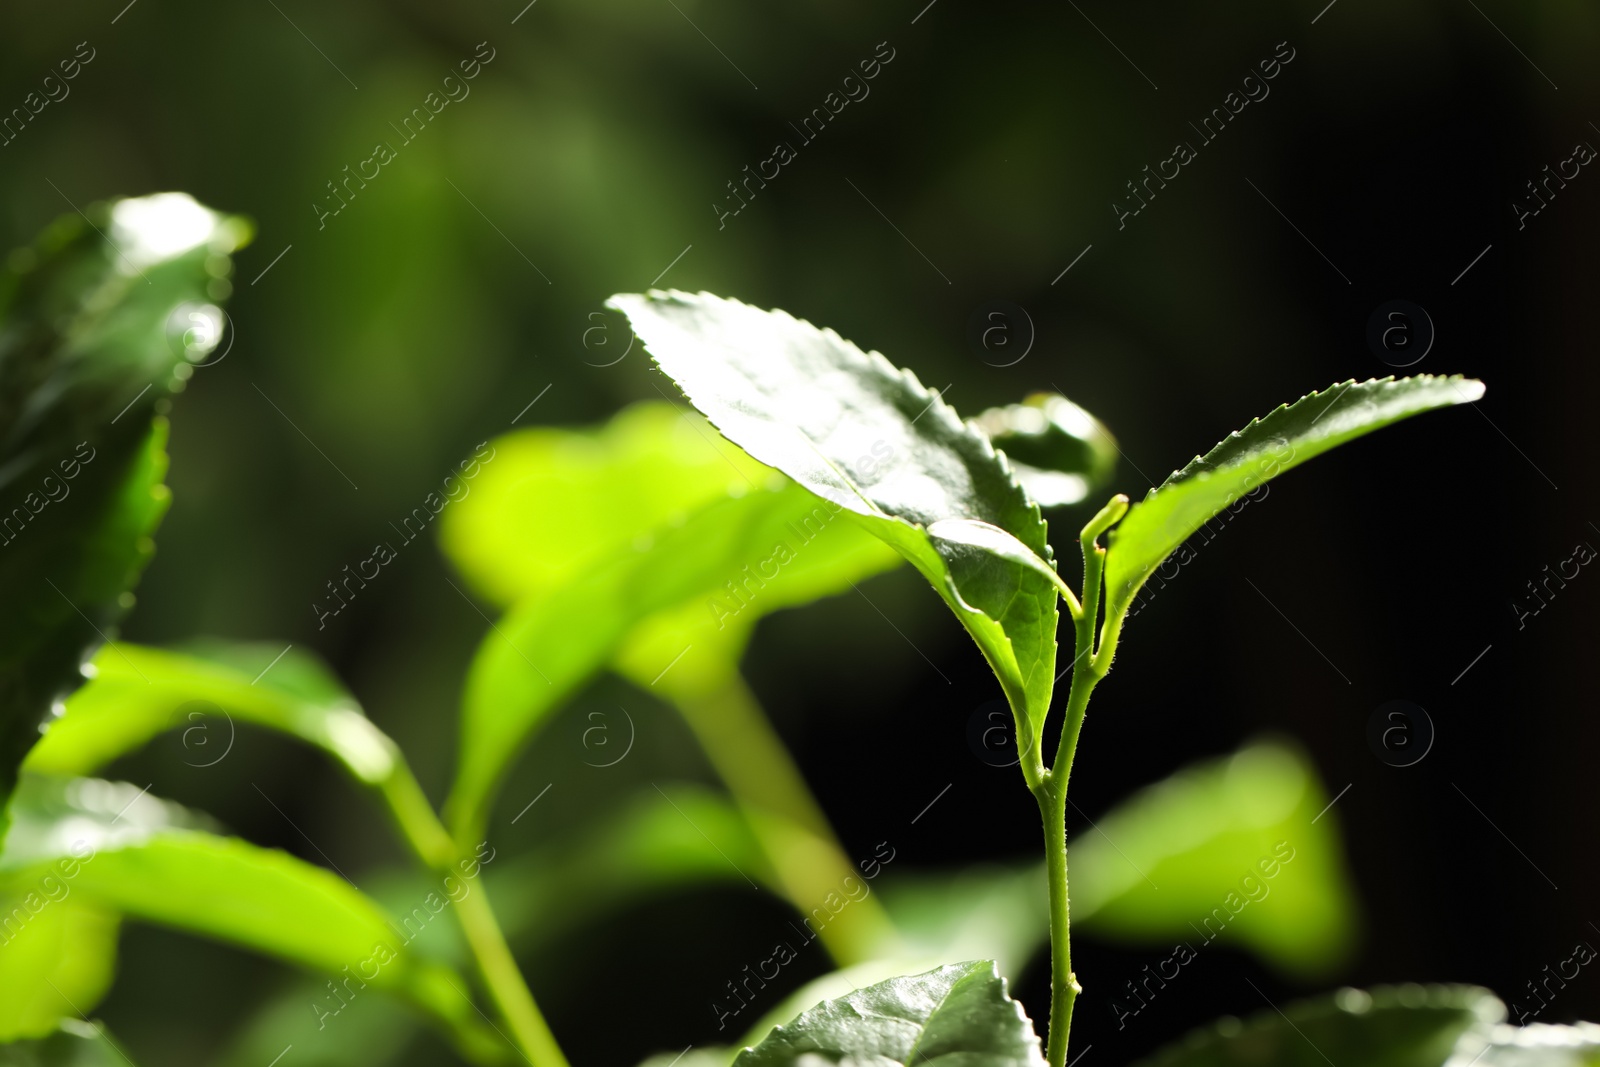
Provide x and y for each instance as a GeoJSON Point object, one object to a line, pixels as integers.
{"type": "Point", "coordinates": [104, 319]}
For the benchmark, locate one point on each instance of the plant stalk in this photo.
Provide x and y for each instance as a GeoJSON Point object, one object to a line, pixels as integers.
{"type": "Point", "coordinates": [1089, 666]}
{"type": "Point", "coordinates": [789, 825]}
{"type": "Point", "coordinates": [497, 968]}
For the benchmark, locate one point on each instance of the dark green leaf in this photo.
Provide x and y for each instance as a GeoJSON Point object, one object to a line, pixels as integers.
{"type": "Point", "coordinates": [99, 323]}
{"type": "Point", "coordinates": [73, 1044]}
{"type": "Point", "coordinates": [871, 440]}
{"type": "Point", "coordinates": [1294, 433]}
{"type": "Point", "coordinates": [1401, 1026]}
{"type": "Point", "coordinates": [1238, 860]}
{"type": "Point", "coordinates": [1058, 451]}
{"type": "Point", "coordinates": [960, 1012]}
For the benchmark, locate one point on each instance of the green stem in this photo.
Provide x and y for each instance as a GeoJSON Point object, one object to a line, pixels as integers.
{"type": "Point", "coordinates": [492, 956]}
{"type": "Point", "coordinates": [1089, 666]}
{"type": "Point", "coordinates": [789, 825]}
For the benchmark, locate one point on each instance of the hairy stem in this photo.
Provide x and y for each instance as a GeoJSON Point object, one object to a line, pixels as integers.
{"type": "Point", "coordinates": [492, 956]}
{"type": "Point", "coordinates": [789, 825]}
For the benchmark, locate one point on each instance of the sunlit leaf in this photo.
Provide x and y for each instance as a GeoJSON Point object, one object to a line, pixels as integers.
{"type": "Point", "coordinates": [728, 557]}
{"type": "Point", "coordinates": [960, 1013]}
{"type": "Point", "coordinates": [552, 502]}
{"type": "Point", "coordinates": [138, 693]}
{"type": "Point", "coordinates": [57, 956]}
{"type": "Point", "coordinates": [873, 442]}
{"type": "Point", "coordinates": [139, 856]}
{"type": "Point", "coordinates": [1294, 433]}
{"type": "Point", "coordinates": [99, 322]}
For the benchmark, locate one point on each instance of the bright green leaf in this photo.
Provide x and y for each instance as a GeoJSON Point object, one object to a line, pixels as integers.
{"type": "Point", "coordinates": [870, 440]}
{"type": "Point", "coordinates": [1058, 451]}
{"type": "Point", "coordinates": [1401, 1026]}
{"type": "Point", "coordinates": [137, 693]}
{"type": "Point", "coordinates": [1294, 433]}
{"type": "Point", "coordinates": [57, 956]}
{"type": "Point", "coordinates": [102, 319]}
{"type": "Point", "coordinates": [733, 555]}
{"type": "Point", "coordinates": [552, 502]}
{"type": "Point", "coordinates": [960, 1011]}
{"type": "Point", "coordinates": [137, 855]}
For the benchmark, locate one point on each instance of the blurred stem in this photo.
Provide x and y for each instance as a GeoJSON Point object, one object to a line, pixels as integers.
{"type": "Point", "coordinates": [1089, 666]}
{"type": "Point", "coordinates": [747, 754]}
{"type": "Point", "coordinates": [496, 966]}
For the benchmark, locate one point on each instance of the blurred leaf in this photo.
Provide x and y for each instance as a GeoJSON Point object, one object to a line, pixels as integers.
{"type": "Point", "coordinates": [73, 1044]}
{"type": "Point", "coordinates": [960, 1011]}
{"type": "Point", "coordinates": [1538, 1045]}
{"type": "Point", "coordinates": [138, 693]}
{"type": "Point", "coordinates": [872, 442]}
{"type": "Point", "coordinates": [57, 956]}
{"type": "Point", "coordinates": [554, 502]}
{"type": "Point", "coordinates": [1208, 836]}
{"type": "Point", "coordinates": [1286, 438]}
{"type": "Point", "coordinates": [1201, 836]}
{"type": "Point", "coordinates": [534, 659]}
{"type": "Point", "coordinates": [96, 329]}
{"type": "Point", "coordinates": [1058, 451]}
{"type": "Point", "coordinates": [1401, 1026]}
{"type": "Point", "coordinates": [136, 854]}
{"type": "Point", "coordinates": [684, 835]}
{"type": "Point", "coordinates": [369, 1031]}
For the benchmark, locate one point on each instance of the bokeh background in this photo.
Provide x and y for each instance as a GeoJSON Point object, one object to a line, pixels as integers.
{"type": "Point", "coordinates": [593, 156]}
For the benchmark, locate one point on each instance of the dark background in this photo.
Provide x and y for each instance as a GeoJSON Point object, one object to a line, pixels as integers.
{"type": "Point", "coordinates": [415, 324]}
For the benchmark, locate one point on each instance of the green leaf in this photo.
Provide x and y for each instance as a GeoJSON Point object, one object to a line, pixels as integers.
{"type": "Point", "coordinates": [960, 1011]}
{"type": "Point", "coordinates": [1058, 451]}
{"type": "Point", "coordinates": [1245, 459]}
{"type": "Point", "coordinates": [1200, 835]}
{"type": "Point", "coordinates": [138, 693]}
{"type": "Point", "coordinates": [137, 855]}
{"type": "Point", "coordinates": [57, 956]}
{"type": "Point", "coordinates": [1232, 845]}
{"type": "Point", "coordinates": [100, 321]}
{"type": "Point", "coordinates": [553, 502]}
{"type": "Point", "coordinates": [1400, 1026]}
{"type": "Point", "coordinates": [72, 1044]}
{"type": "Point", "coordinates": [871, 440]}
{"type": "Point", "coordinates": [751, 552]}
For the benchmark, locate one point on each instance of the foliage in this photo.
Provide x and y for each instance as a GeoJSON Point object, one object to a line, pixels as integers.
{"type": "Point", "coordinates": [716, 534]}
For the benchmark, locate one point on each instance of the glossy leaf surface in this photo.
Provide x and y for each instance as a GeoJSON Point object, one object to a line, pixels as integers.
{"type": "Point", "coordinates": [959, 1013]}
{"type": "Point", "coordinates": [99, 322]}
{"type": "Point", "coordinates": [871, 440]}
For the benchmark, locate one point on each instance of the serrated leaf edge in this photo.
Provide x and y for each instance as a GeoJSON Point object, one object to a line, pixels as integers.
{"type": "Point", "coordinates": [882, 365]}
